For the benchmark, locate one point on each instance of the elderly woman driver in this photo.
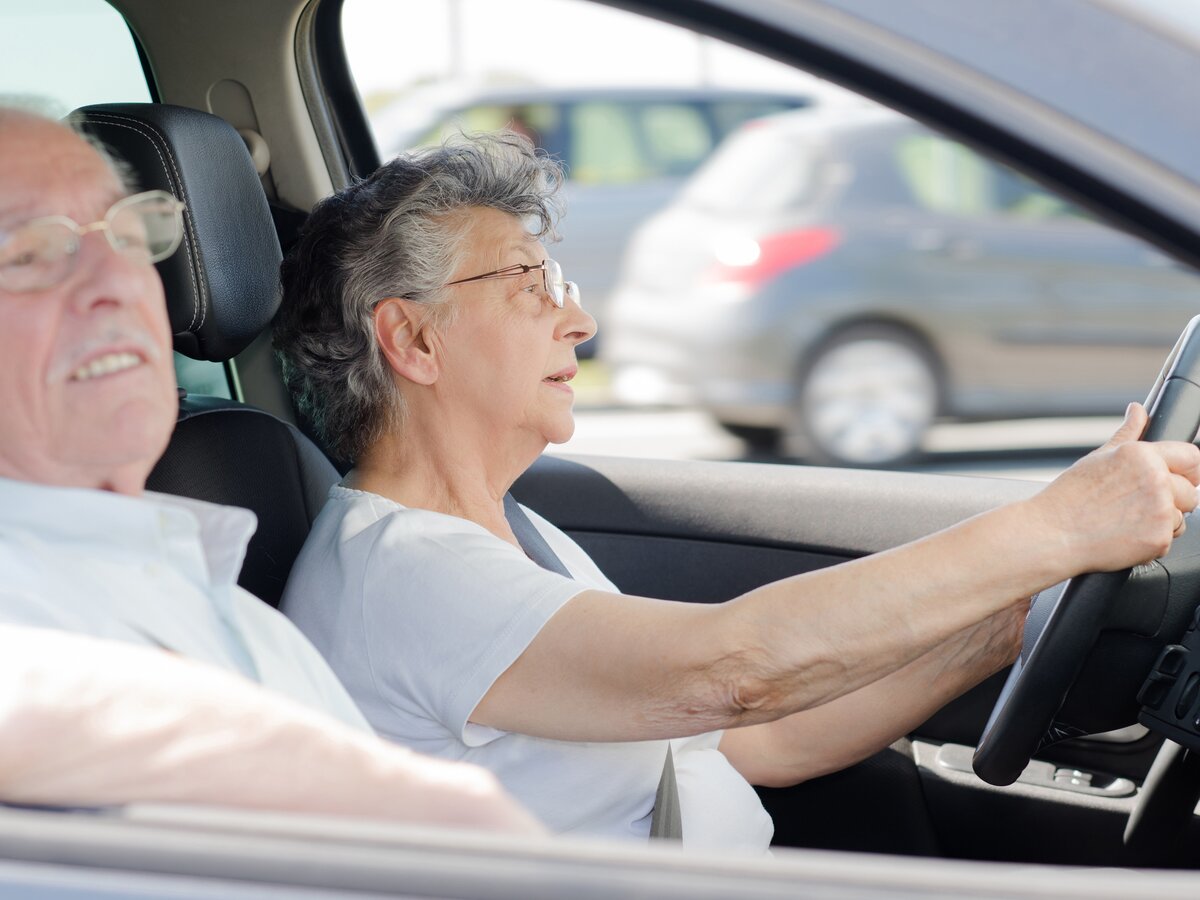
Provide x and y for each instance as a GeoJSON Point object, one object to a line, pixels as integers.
{"type": "Point", "coordinates": [428, 337]}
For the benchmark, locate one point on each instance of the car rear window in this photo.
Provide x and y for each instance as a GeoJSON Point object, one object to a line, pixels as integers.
{"type": "Point", "coordinates": [729, 115]}
{"type": "Point", "coordinates": [540, 122]}
{"type": "Point", "coordinates": [753, 172]}
{"type": "Point", "coordinates": [677, 136]}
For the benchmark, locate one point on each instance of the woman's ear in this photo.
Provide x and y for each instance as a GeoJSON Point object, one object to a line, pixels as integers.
{"type": "Point", "coordinates": [400, 332]}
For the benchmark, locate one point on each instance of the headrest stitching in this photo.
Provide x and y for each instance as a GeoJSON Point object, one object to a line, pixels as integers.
{"type": "Point", "coordinates": [139, 127]}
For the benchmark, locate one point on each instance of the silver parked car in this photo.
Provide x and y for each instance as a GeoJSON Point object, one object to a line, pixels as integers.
{"type": "Point", "coordinates": [841, 276]}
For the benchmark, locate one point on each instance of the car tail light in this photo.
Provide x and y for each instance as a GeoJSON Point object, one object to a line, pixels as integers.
{"type": "Point", "coordinates": [753, 261]}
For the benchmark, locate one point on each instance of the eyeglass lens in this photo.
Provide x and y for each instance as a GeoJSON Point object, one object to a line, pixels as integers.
{"type": "Point", "coordinates": [552, 273]}
{"type": "Point", "coordinates": [146, 228]}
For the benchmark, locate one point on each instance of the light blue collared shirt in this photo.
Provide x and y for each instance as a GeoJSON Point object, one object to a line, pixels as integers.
{"type": "Point", "coordinates": [158, 570]}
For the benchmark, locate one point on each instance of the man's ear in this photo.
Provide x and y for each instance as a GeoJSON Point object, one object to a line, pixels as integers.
{"type": "Point", "coordinates": [400, 330]}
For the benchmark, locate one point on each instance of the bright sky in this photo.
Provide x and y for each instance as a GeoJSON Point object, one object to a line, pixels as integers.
{"type": "Point", "coordinates": [394, 43]}
{"type": "Point", "coordinates": [73, 52]}
{"type": "Point", "coordinates": [80, 51]}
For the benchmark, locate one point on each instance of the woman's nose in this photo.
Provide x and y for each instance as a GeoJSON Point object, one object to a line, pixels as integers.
{"type": "Point", "coordinates": [578, 325]}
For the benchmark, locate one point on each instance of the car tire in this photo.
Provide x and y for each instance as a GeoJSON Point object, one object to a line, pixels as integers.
{"type": "Point", "coordinates": [865, 397]}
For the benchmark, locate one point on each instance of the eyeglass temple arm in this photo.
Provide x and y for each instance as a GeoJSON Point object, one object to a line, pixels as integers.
{"type": "Point", "coordinates": [500, 273]}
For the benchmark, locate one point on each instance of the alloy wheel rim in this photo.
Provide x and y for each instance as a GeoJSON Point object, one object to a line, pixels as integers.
{"type": "Point", "coordinates": [869, 401]}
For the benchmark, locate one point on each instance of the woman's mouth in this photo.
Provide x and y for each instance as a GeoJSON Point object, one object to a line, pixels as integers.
{"type": "Point", "coordinates": [561, 378]}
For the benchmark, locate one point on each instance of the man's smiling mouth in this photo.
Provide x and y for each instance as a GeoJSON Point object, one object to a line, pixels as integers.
{"type": "Point", "coordinates": [107, 364]}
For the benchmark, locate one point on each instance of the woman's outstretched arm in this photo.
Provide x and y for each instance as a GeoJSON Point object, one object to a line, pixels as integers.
{"type": "Point", "coordinates": [615, 667]}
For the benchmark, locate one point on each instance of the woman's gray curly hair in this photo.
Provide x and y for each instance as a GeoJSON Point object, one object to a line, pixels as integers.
{"type": "Point", "coordinates": [390, 235]}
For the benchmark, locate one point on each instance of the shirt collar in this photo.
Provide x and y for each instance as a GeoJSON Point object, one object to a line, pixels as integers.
{"type": "Point", "coordinates": [129, 526]}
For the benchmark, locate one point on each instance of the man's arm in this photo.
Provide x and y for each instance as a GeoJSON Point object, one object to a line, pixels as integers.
{"type": "Point", "coordinates": [85, 722]}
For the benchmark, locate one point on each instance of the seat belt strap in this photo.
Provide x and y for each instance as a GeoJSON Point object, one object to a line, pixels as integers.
{"type": "Point", "coordinates": [666, 821]}
{"type": "Point", "coordinates": [530, 538]}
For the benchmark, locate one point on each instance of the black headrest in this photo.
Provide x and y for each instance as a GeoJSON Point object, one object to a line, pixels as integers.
{"type": "Point", "coordinates": [222, 284]}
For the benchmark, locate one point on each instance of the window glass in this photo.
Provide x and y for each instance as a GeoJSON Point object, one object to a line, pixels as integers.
{"type": "Point", "coordinates": [61, 54]}
{"type": "Point", "coordinates": [199, 376]}
{"type": "Point", "coordinates": [729, 114]}
{"type": "Point", "coordinates": [1018, 196]}
{"type": "Point", "coordinates": [474, 118]}
{"type": "Point", "coordinates": [782, 271]}
{"type": "Point", "coordinates": [944, 176]}
{"type": "Point", "coordinates": [537, 121]}
{"type": "Point", "coordinates": [605, 145]}
{"type": "Point", "coordinates": [540, 122]}
{"type": "Point", "coordinates": [677, 137]}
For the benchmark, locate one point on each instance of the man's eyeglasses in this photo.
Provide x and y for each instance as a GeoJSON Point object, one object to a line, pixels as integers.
{"type": "Point", "coordinates": [39, 254]}
{"type": "Point", "coordinates": [552, 279]}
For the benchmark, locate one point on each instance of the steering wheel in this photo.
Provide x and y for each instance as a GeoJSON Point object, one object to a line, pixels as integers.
{"type": "Point", "coordinates": [1066, 621]}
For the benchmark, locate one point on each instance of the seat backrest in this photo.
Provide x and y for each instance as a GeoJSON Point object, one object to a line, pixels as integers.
{"type": "Point", "coordinates": [222, 289]}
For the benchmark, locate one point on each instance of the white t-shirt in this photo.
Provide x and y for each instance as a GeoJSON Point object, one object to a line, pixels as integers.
{"type": "Point", "coordinates": [419, 613]}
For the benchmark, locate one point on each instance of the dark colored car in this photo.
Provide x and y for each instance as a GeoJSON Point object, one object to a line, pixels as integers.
{"type": "Point", "coordinates": [626, 151]}
{"type": "Point", "coordinates": [842, 276]}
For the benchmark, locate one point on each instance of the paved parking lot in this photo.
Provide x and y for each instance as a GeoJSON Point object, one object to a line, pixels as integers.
{"type": "Point", "coordinates": [1034, 448]}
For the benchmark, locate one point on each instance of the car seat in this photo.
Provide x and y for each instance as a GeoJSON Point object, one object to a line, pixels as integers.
{"type": "Point", "coordinates": [222, 289]}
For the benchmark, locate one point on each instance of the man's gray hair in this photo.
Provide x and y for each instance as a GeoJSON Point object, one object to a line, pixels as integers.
{"type": "Point", "coordinates": [391, 235]}
{"type": "Point", "coordinates": [15, 109]}
{"type": "Point", "coordinates": [123, 170]}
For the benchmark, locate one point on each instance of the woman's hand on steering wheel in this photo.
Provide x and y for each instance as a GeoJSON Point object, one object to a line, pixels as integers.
{"type": "Point", "coordinates": [1124, 503]}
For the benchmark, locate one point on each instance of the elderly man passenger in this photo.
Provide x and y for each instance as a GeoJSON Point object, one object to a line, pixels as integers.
{"type": "Point", "coordinates": [431, 340]}
{"type": "Point", "coordinates": [88, 391]}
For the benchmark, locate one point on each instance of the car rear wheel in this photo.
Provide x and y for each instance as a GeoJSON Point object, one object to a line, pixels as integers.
{"type": "Point", "coordinates": [866, 398]}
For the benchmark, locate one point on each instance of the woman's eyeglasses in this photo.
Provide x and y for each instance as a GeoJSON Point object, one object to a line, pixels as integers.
{"type": "Point", "coordinates": [552, 278]}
